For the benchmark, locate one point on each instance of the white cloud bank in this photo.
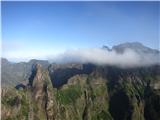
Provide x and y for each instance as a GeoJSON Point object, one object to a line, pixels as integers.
{"type": "Point", "coordinates": [129, 58]}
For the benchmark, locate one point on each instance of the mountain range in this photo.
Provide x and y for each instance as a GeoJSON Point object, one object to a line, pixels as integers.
{"type": "Point", "coordinates": [39, 90]}
{"type": "Point", "coordinates": [13, 73]}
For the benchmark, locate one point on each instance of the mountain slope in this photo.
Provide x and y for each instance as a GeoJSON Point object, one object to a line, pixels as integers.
{"type": "Point", "coordinates": [136, 46]}
{"type": "Point", "coordinates": [14, 73]}
{"type": "Point", "coordinates": [107, 93]}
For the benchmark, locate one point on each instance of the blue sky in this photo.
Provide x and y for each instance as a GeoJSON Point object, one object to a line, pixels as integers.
{"type": "Point", "coordinates": [39, 29]}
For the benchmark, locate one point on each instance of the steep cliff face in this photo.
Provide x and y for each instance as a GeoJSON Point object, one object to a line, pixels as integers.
{"type": "Point", "coordinates": [41, 93]}
{"type": "Point", "coordinates": [84, 98]}
{"type": "Point", "coordinates": [103, 93]}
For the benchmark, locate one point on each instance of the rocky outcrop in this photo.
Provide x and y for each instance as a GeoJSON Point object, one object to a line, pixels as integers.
{"type": "Point", "coordinates": [42, 94]}
{"type": "Point", "coordinates": [94, 93]}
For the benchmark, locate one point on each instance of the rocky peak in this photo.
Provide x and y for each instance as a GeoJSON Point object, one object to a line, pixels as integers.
{"type": "Point", "coordinates": [39, 79]}
{"type": "Point", "coordinates": [38, 70]}
{"type": "Point", "coordinates": [136, 46]}
{"type": "Point", "coordinates": [38, 66]}
{"type": "Point", "coordinates": [36, 74]}
{"type": "Point", "coordinates": [42, 91]}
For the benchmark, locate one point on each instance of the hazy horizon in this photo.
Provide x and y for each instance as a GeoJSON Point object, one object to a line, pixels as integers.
{"type": "Point", "coordinates": [57, 58]}
{"type": "Point", "coordinates": [36, 30]}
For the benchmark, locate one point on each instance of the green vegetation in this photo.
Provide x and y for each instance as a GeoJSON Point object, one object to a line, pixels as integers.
{"type": "Point", "coordinates": [129, 89]}
{"type": "Point", "coordinates": [25, 106]}
{"type": "Point", "coordinates": [102, 115]}
{"type": "Point", "coordinates": [68, 95]}
{"type": "Point", "coordinates": [99, 90]}
{"type": "Point", "coordinates": [18, 101]}
{"type": "Point", "coordinates": [8, 100]}
{"type": "Point", "coordinates": [119, 96]}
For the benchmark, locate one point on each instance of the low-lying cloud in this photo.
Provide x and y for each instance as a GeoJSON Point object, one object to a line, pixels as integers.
{"type": "Point", "coordinates": [129, 58]}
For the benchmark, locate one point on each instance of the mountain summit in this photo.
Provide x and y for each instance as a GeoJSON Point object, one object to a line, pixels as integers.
{"type": "Point", "coordinates": [136, 46]}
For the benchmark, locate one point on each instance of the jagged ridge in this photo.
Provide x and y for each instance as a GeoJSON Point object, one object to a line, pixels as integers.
{"type": "Point", "coordinates": [105, 93]}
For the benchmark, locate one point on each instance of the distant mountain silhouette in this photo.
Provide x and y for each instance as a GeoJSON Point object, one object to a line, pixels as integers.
{"type": "Point", "coordinates": [13, 73]}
